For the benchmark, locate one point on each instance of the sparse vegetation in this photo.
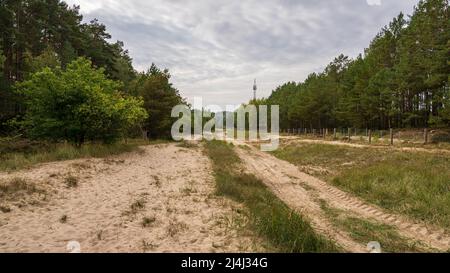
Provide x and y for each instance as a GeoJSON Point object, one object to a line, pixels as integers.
{"type": "Point", "coordinates": [17, 186]}
{"type": "Point", "coordinates": [137, 205]}
{"type": "Point", "coordinates": [175, 227]}
{"type": "Point", "coordinates": [269, 216]}
{"type": "Point", "coordinates": [157, 180]}
{"type": "Point", "coordinates": [187, 145]}
{"type": "Point", "coordinates": [411, 183]}
{"type": "Point", "coordinates": [71, 181]}
{"type": "Point", "coordinates": [63, 219]}
{"type": "Point", "coordinates": [24, 157]}
{"type": "Point", "coordinates": [5, 209]}
{"type": "Point", "coordinates": [100, 235]}
{"type": "Point", "coordinates": [188, 190]}
{"type": "Point", "coordinates": [147, 246]}
{"type": "Point", "coordinates": [148, 221]}
{"type": "Point", "coordinates": [365, 231]}
{"type": "Point", "coordinates": [80, 165]}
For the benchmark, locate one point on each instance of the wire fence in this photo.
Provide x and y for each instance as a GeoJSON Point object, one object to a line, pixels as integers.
{"type": "Point", "coordinates": [391, 136]}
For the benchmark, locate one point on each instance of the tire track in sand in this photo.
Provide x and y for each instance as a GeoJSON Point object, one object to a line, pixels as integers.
{"type": "Point", "coordinates": [286, 180]}
{"type": "Point", "coordinates": [298, 198]}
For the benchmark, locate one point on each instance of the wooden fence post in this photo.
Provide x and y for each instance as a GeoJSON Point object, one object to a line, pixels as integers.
{"type": "Point", "coordinates": [349, 134]}
{"type": "Point", "coordinates": [335, 134]}
{"type": "Point", "coordinates": [370, 136]}
{"type": "Point", "coordinates": [392, 136]}
{"type": "Point", "coordinates": [425, 136]}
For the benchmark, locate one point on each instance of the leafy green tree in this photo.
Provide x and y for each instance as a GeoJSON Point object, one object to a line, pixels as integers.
{"type": "Point", "coordinates": [78, 104]}
{"type": "Point", "coordinates": [159, 98]}
{"type": "Point", "coordinates": [35, 34]}
{"type": "Point", "coordinates": [48, 58]}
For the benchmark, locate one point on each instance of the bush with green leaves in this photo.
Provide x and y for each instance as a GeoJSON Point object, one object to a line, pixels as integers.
{"type": "Point", "coordinates": [78, 104]}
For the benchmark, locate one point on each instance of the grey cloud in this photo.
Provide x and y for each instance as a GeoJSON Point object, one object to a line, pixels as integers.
{"type": "Point", "coordinates": [215, 48]}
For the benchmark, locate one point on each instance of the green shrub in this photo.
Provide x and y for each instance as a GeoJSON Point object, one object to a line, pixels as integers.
{"type": "Point", "coordinates": [78, 104]}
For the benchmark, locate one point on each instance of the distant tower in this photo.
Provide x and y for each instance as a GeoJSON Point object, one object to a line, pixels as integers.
{"type": "Point", "coordinates": [255, 88]}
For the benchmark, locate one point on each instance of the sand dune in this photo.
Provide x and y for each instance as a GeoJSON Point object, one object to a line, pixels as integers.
{"type": "Point", "coordinates": [160, 199]}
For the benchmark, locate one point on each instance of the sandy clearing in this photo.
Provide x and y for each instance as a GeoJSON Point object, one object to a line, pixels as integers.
{"type": "Point", "coordinates": [175, 184]}
{"type": "Point", "coordinates": [293, 187]}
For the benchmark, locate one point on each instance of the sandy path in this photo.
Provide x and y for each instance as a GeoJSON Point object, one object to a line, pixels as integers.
{"type": "Point", "coordinates": [293, 139]}
{"type": "Point", "coordinates": [175, 184]}
{"type": "Point", "coordinates": [302, 192]}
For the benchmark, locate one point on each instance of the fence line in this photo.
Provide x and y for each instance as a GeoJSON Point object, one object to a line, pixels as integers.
{"type": "Point", "coordinates": [349, 134]}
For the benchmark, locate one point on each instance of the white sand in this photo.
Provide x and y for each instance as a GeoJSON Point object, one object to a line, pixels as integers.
{"type": "Point", "coordinates": [175, 183]}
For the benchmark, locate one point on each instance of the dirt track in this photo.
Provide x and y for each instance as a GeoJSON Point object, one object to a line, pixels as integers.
{"type": "Point", "coordinates": [175, 184]}
{"type": "Point", "coordinates": [302, 192]}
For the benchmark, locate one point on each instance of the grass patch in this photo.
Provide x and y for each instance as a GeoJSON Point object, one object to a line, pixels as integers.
{"type": "Point", "coordinates": [147, 221]}
{"type": "Point", "coordinates": [71, 181]}
{"type": "Point", "coordinates": [331, 157]}
{"type": "Point", "coordinates": [175, 228]}
{"type": "Point", "coordinates": [63, 219]}
{"type": "Point", "coordinates": [365, 231]}
{"type": "Point", "coordinates": [58, 152]}
{"type": "Point", "coordinates": [411, 183]}
{"type": "Point", "coordinates": [269, 216]}
{"type": "Point", "coordinates": [188, 191]}
{"type": "Point", "coordinates": [20, 192]}
{"type": "Point", "coordinates": [22, 154]}
{"type": "Point", "coordinates": [187, 145]}
{"type": "Point", "coordinates": [137, 205]}
{"type": "Point", "coordinates": [17, 186]}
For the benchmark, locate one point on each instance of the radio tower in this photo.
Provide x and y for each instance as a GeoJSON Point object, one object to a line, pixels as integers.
{"type": "Point", "coordinates": [255, 88]}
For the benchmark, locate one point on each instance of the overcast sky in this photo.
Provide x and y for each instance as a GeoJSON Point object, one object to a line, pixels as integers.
{"type": "Point", "coordinates": [215, 48]}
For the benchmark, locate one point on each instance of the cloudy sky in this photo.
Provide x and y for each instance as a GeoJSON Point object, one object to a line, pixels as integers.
{"type": "Point", "coordinates": [215, 48]}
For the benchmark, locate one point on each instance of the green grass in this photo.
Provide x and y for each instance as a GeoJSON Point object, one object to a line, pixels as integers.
{"type": "Point", "coordinates": [402, 142]}
{"type": "Point", "coordinates": [365, 231]}
{"type": "Point", "coordinates": [23, 154]}
{"type": "Point", "coordinates": [286, 230]}
{"type": "Point", "coordinates": [411, 183]}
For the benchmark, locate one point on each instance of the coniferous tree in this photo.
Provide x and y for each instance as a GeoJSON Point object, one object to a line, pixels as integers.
{"type": "Point", "coordinates": [401, 80]}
